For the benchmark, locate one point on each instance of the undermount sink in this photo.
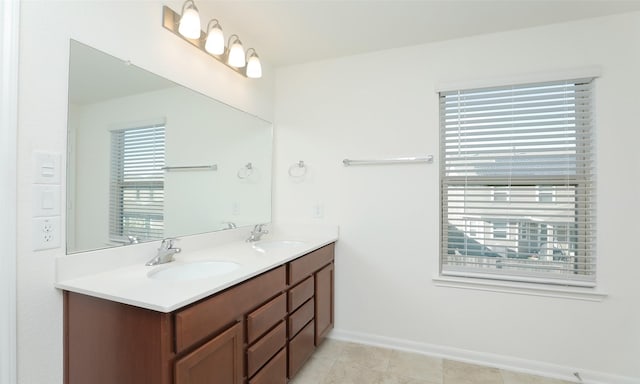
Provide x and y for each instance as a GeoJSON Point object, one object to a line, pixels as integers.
{"type": "Point", "coordinates": [193, 270]}
{"type": "Point", "coordinates": [274, 245]}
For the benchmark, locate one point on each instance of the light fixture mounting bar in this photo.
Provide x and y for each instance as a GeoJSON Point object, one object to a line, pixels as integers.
{"type": "Point", "coordinates": [171, 20]}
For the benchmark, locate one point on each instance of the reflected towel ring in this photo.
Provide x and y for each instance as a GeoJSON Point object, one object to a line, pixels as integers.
{"type": "Point", "coordinates": [245, 171]}
{"type": "Point", "coordinates": [298, 169]}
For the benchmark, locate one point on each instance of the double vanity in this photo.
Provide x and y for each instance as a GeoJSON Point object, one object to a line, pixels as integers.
{"type": "Point", "coordinates": [235, 312]}
{"type": "Point", "coordinates": [233, 307]}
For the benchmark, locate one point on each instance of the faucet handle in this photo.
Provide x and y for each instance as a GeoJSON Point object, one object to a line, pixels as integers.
{"type": "Point", "coordinates": [167, 243]}
{"type": "Point", "coordinates": [259, 228]}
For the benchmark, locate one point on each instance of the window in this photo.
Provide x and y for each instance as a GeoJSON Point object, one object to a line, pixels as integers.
{"type": "Point", "coordinates": [500, 194]}
{"type": "Point", "coordinates": [499, 229]}
{"type": "Point", "coordinates": [137, 183]}
{"type": "Point", "coordinates": [545, 194]}
{"type": "Point", "coordinates": [520, 159]}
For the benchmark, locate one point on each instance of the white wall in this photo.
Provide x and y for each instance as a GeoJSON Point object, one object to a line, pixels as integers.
{"type": "Point", "coordinates": [385, 105]}
{"type": "Point", "coordinates": [129, 30]}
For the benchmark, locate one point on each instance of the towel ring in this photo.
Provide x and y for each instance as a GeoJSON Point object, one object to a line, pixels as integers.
{"type": "Point", "coordinates": [245, 171]}
{"type": "Point", "coordinates": [298, 169]}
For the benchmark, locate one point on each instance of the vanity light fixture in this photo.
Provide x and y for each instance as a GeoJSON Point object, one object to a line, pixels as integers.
{"type": "Point", "coordinates": [215, 38]}
{"type": "Point", "coordinates": [254, 68]}
{"type": "Point", "coordinates": [236, 52]}
{"type": "Point", "coordinates": [187, 27]}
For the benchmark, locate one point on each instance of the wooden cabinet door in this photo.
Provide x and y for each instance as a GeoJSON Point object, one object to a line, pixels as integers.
{"type": "Point", "coordinates": [219, 361]}
{"type": "Point", "coordinates": [300, 349]}
{"type": "Point", "coordinates": [324, 302]}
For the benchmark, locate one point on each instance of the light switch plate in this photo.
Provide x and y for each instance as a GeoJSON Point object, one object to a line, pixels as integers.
{"type": "Point", "coordinates": [46, 200]}
{"type": "Point", "coordinates": [46, 168]}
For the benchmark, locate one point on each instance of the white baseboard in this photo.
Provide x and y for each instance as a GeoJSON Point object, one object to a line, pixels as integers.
{"type": "Point", "coordinates": [498, 361]}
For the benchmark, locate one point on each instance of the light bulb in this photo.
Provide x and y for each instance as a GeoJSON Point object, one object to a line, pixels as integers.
{"type": "Point", "coordinates": [215, 40]}
{"type": "Point", "coordinates": [254, 68]}
{"type": "Point", "coordinates": [190, 21]}
{"type": "Point", "coordinates": [236, 53]}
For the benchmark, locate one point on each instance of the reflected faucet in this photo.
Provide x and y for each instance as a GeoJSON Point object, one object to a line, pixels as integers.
{"type": "Point", "coordinates": [230, 224]}
{"type": "Point", "coordinates": [165, 253]}
{"type": "Point", "coordinates": [257, 233]}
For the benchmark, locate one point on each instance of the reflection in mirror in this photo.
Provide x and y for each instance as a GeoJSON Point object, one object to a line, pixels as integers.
{"type": "Point", "coordinates": [150, 159]}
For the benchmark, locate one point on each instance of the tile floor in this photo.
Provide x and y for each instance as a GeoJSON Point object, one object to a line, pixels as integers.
{"type": "Point", "coordinates": [338, 362]}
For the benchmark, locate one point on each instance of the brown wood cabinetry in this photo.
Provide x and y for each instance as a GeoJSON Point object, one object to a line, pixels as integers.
{"type": "Point", "coordinates": [265, 317]}
{"type": "Point", "coordinates": [324, 302]}
{"type": "Point", "coordinates": [301, 348]}
{"type": "Point", "coordinates": [107, 342]}
{"type": "Point", "coordinates": [260, 331]}
{"type": "Point", "coordinates": [275, 372]}
{"type": "Point", "coordinates": [308, 278]}
{"type": "Point", "coordinates": [219, 360]}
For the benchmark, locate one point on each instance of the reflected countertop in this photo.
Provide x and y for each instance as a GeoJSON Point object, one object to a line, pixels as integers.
{"type": "Point", "coordinates": [108, 278]}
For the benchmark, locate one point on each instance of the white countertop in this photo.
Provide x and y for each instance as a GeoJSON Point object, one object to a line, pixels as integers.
{"type": "Point", "coordinates": [130, 284]}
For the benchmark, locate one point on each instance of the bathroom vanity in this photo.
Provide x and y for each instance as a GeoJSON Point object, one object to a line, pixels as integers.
{"type": "Point", "coordinates": [258, 331]}
{"type": "Point", "coordinates": [226, 311]}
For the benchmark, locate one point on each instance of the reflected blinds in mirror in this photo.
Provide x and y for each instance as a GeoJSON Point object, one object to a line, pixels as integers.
{"type": "Point", "coordinates": [137, 184]}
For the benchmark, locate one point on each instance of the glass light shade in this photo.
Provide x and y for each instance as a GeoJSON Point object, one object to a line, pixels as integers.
{"type": "Point", "coordinates": [215, 41]}
{"type": "Point", "coordinates": [190, 23]}
{"type": "Point", "coordinates": [236, 55]}
{"type": "Point", "coordinates": [254, 68]}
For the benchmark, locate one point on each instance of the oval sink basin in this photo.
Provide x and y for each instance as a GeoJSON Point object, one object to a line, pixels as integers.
{"type": "Point", "coordinates": [192, 271]}
{"type": "Point", "coordinates": [274, 245]}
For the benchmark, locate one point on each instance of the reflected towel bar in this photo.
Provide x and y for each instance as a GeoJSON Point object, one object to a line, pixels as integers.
{"type": "Point", "coordinates": [398, 160]}
{"type": "Point", "coordinates": [212, 167]}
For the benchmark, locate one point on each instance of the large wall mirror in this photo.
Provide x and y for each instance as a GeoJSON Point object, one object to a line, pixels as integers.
{"type": "Point", "coordinates": [150, 159]}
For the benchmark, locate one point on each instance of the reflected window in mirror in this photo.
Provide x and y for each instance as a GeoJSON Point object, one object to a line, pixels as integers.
{"type": "Point", "coordinates": [137, 184]}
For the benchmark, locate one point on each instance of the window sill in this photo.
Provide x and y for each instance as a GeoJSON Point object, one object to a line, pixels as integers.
{"type": "Point", "coordinates": [587, 294]}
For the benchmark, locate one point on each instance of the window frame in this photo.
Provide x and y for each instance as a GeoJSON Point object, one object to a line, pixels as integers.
{"type": "Point", "coordinates": [549, 232]}
{"type": "Point", "coordinates": [149, 180]}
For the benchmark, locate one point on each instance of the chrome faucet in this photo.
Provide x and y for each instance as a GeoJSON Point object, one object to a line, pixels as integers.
{"type": "Point", "coordinates": [165, 253]}
{"type": "Point", "coordinates": [257, 233]}
{"type": "Point", "coordinates": [230, 224]}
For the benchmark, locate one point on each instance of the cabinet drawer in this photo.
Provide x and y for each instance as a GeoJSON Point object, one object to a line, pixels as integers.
{"type": "Point", "coordinates": [300, 293]}
{"type": "Point", "coordinates": [275, 372]}
{"type": "Point", "coordinates": [265, 317]}
{"type": "Point", "coordinates": [300, 318]}
{"type": "Point", "coordinates": [209, 316]}
{"type": "Point", "coordinates": [265, 348]}
{"type": "Point", "coordinates": [307, 265]}
{"type": "Point", "coordinates": [300, 349]}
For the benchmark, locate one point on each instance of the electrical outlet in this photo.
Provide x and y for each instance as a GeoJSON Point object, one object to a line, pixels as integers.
{"type": "Point", "coordinates": [46, 233]}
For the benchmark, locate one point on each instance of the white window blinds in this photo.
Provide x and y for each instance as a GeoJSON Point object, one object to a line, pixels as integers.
{"type": "Point", "coordinates": [517, 183]}
{"type": "Point", "coordinates": [137, 183]}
